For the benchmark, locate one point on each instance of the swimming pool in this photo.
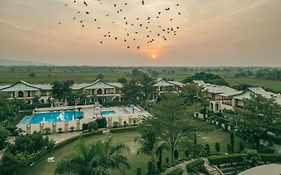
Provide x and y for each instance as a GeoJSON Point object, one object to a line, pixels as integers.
{"type": "Point", "coordinates": [108, 112]}
{"type": "Point", "coordinates": [51, 117]}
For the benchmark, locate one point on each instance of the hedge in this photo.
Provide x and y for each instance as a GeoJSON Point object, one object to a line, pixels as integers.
{"type": "Point", "coordinates": [195, 166]}
{"type": "Point", "coordinates": [272, 158]}
{"type": "Point", "coordinates": [221, 159]}
{"type": "Point", "coordinates": [238, 157]}
{"type": "Point", "coordinates": [125, 129]}
{"type": "Point", "coordinates": [177, 171]}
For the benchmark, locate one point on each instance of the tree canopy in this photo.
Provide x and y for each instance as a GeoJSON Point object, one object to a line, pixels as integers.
{"type": "Point", "coordinates": [61, 90]}
{"type": "Point", "coordinates": [258, 117]}
{"type": "Point", "coordinates": [97, 158]}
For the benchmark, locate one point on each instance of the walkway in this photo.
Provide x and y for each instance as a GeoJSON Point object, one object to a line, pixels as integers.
{"type": "Point", "coordinates": [212, 169]}
{"type": "Point", "coordinates": [181, 166]}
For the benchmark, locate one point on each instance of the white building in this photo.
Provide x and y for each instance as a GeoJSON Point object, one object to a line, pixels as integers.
{"type": "Point", "coordinates": [224, 97]}
{"type": "Point", "coordinates": [161, 85]}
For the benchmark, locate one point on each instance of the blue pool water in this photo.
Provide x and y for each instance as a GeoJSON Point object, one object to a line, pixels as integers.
{"type": "Point", "coordinates": [55, 117]}
{"type": "Point", "coordinates": [109, 112]}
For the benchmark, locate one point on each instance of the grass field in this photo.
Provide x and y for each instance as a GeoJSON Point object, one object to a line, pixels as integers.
{"type": "Point", "coordinates": [136, 160]}
{"type": "Point", "coordinates": [89, 75]}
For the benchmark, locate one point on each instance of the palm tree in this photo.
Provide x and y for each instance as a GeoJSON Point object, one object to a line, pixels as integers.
{"type": "Point", "coordinates": [96, 159]}
{"type": "Point", "coordinates": [147, 140]}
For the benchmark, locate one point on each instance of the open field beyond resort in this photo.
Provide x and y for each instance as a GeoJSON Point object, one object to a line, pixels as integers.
{"type": "Point", "coordinates": [79, 75]}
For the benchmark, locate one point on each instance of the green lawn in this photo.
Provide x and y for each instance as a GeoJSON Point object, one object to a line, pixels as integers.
{"type": "Point", "coordinates": [136, 160]}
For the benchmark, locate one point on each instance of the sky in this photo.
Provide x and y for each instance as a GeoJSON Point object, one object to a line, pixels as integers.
{"type": "Point", "coordinates": [210, 32]}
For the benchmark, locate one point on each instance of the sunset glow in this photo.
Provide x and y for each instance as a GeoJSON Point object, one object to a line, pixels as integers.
{"type": "Point", "coordinates": [207, 33]}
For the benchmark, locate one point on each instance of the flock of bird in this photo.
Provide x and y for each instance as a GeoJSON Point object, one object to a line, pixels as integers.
{"type": "Point", "coordinates": [148, 27]}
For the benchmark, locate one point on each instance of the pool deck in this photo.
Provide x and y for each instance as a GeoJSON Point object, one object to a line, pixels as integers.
{"type": "Point", "coordinates": [129, 115]}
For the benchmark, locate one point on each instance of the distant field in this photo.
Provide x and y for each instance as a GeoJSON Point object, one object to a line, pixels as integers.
{"type": "Point", "coordinates": [270, 84]}
{"type": "Point", "coordinates": [44, 75]}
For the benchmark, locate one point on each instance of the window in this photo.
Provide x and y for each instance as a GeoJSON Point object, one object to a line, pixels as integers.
{"type": "Point", "coordinates": [20, 94]}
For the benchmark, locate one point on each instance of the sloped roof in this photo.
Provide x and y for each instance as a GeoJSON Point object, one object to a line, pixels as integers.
{"type": "Point", "coordinates": [3, 86]}
{"type": "Point", "coordinates": [102, 85]}
{"type": "Point", "coordinates": [43, 86]}
{"type": "Point", "coordinates": [19, 82]}
{"type": "Point", "coordinates": [262, 92]}
{"type": "Point", "coordinates": [217, 89]}
{"type": "Point", "coordinates": [163, 82]}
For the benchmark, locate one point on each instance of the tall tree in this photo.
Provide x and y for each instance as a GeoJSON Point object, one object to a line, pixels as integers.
{"type": "Point", "coordinates": [258, 117]}
{"type": "Point", "coordinates": [169, 121]}
{"type": "Point", "coordinates": [146, 86]}
{"type": "Point", "coordinates": [97, 158]}
{"type": "Point", "coordinates": [61, 90]}
{"type": "Point", "coordinates": [132, 93]}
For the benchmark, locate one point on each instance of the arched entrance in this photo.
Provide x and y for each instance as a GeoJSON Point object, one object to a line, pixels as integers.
{"type": "Point", "coordinates": [99, 91]}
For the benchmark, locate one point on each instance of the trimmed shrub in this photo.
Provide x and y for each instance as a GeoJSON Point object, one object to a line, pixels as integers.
{"type": "Point", "coordinates": [177, 171]}
{"type": "Point", "coordinates": [84, 127]}
{"type": "Point", "coordinates": [218, 147]}
{"type": "Point", "coordinates": [116, 130]}
{"type": "Point", "coordinates": [151, 168]}
{"type": "Point", "coordinates": [102, 123]}
{"type": "Point", "coordinates": [241, 146]}
{"type": "Point", "coordinates": [272, 158]}
{"type": "Point", "coordinates": [228, 148]}
{"type": "Point", "coordinates": [72, 128]}
{"type": "Point", "coordinates": [207, 150]}
{"type": "Point", "coordinates": [139, 171]}
{"type": "Point", "coordinates": [93, 126]}
{"type": "Point", "coordinates": [195, 166]}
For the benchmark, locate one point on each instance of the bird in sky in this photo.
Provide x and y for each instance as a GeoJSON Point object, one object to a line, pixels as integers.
{"type": "Point", "coordinates": [141, 27]}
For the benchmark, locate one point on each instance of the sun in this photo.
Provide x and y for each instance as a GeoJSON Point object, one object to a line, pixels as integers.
{"type": "Point", "coordinates": [154, 56]}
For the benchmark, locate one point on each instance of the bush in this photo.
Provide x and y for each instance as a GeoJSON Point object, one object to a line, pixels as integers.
{"type": "Point", "coordinates": [221, 159]}
{"type": "Point", "coordinates": [102, 123]}
{"type": "Point", "coordinates": [139, 171]}
{"type": "Point", "coordinates": [59, 130]}
{"type": "Point", "coordinates": [93, 126]}
{"type": "Point", "coordinates": [116, 130]}
{"type": "Point", "coordinates": [218, 147]}
{"type": "Point", "coordinates": [195, 166]}
{"type": "Point", "coordinates": [241, 146]}
{"type": "Point", "coordinates": [207, 150]}
{"type": "Point", "coordinates": [84, 127]}
{"type": "Point", "coordinates": [272, 158]}
{"type": "Point", "coordinates": [229, 148]}
{"type": "Point", "coordinates": [151, 168]}
{"type": "Point", "coordinates": [72, 128]}
{"type": "Point", "coordinates": [251, 158]}
{"type": "Point", "coordinates": [177, 171]}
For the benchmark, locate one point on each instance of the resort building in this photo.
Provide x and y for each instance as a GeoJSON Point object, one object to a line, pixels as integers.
{"type": "Point", "coordinates": [26, 91]}
{"type": "Point", "coordinates": [102, 91]}
{"type": "Point", "coordinates": [220, 96]}
{"type": "Point", "coordinates": [161, 85]}
{"type": "Point", "coordinates": [224, 97]}
{"type": "Point", "coordinates": [248, 93]}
